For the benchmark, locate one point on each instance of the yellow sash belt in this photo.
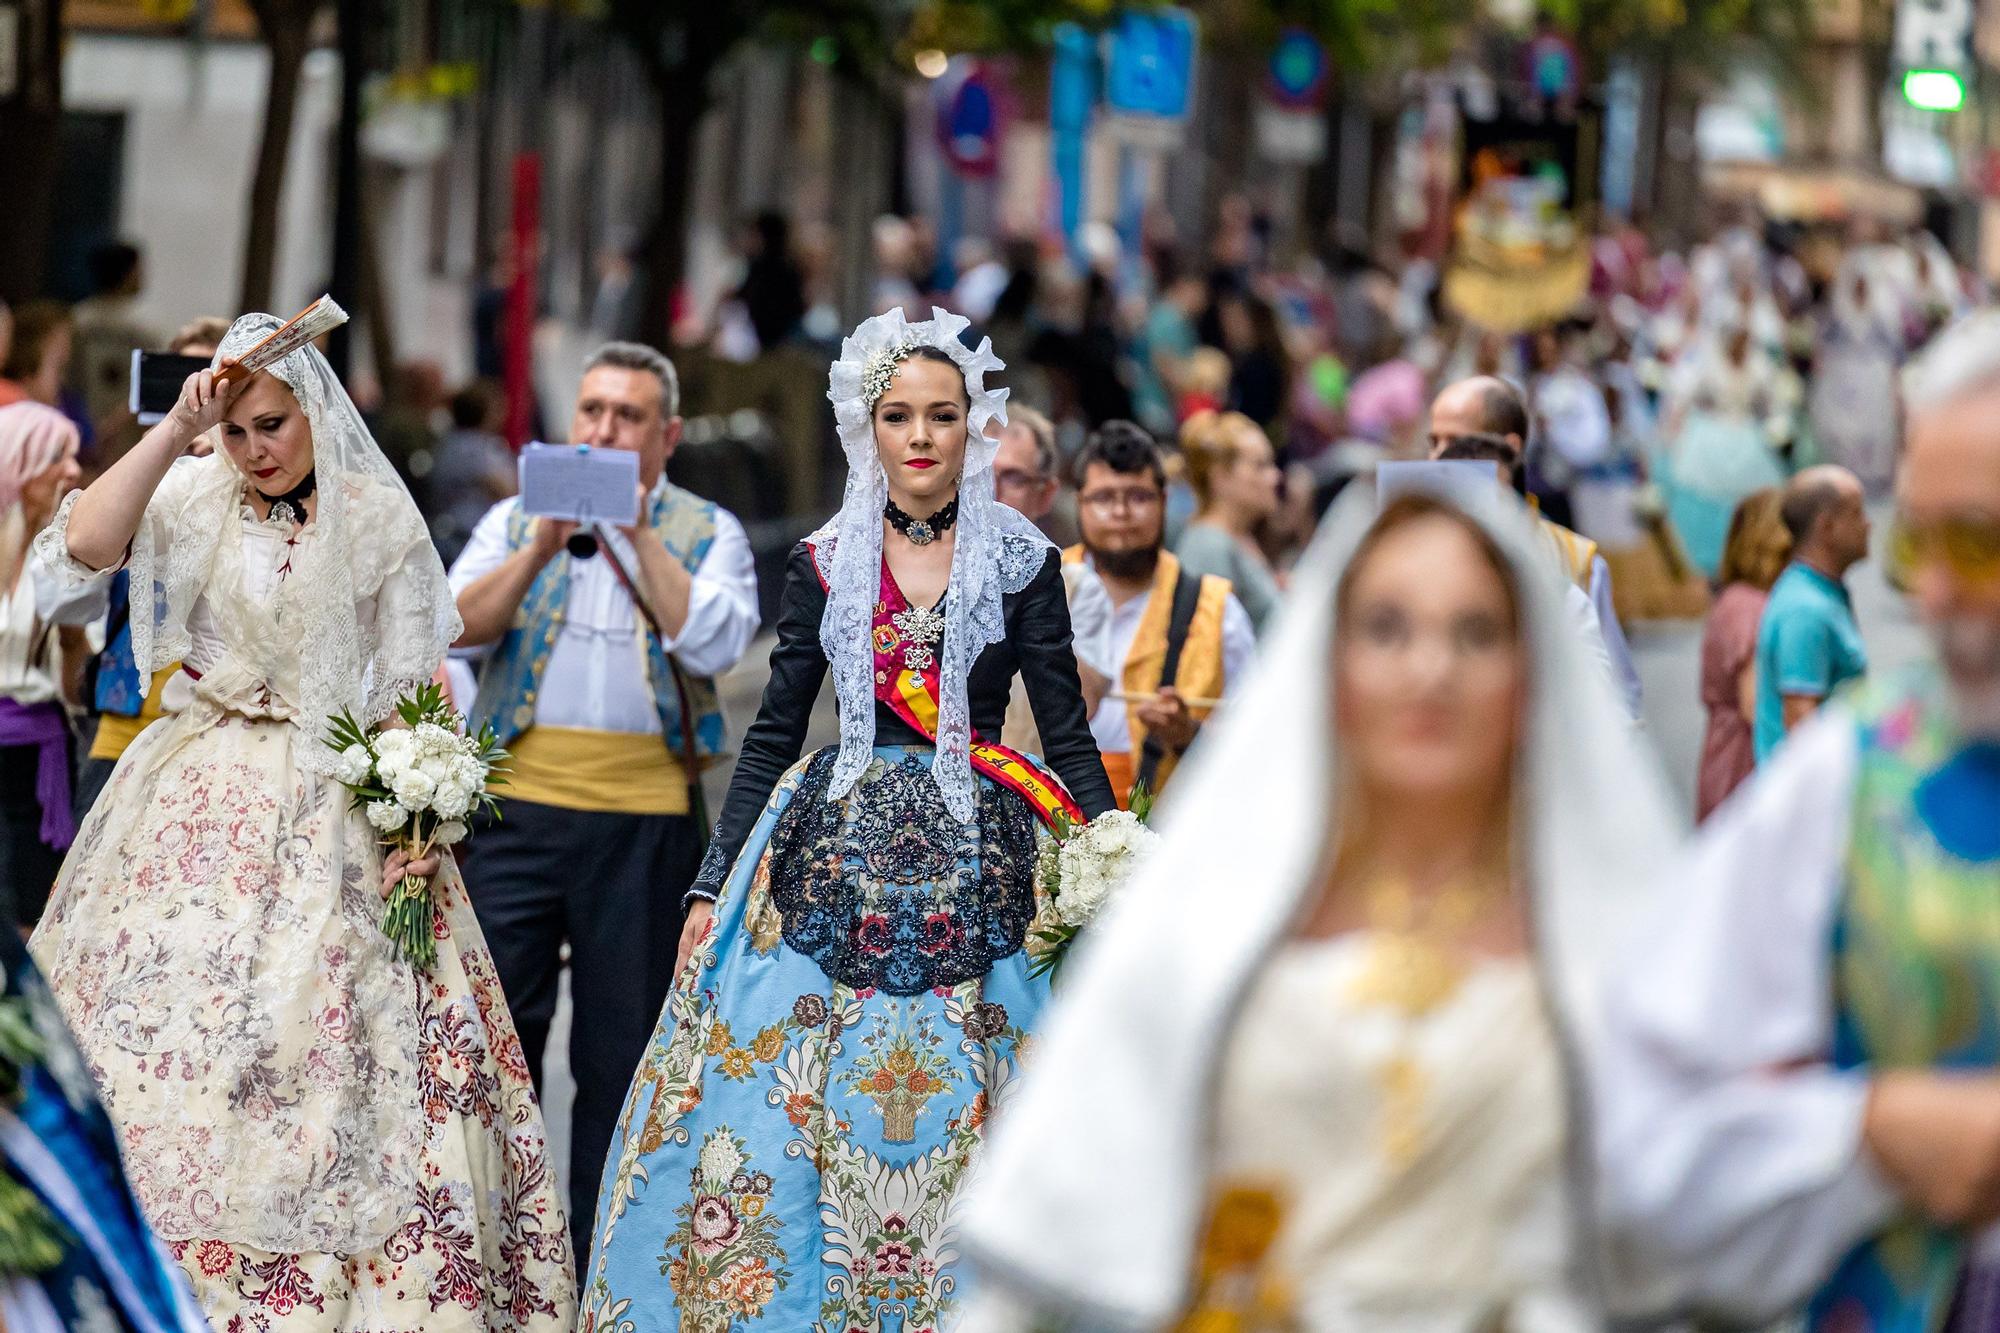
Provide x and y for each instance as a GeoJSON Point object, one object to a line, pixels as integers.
{"type": "Point", "coordinates": [612, 772]}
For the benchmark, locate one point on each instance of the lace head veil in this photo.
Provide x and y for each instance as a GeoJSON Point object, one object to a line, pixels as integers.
{"type": "Point", "coordinates": [367, 602]}
{"type": "Point", "coordinates": [997, 552]}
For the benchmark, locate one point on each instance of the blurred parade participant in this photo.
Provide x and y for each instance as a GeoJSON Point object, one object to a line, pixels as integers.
{"type": "Point", "coordinates": [1485, 419]}
{"type": "Point", "coordinates": [883, 889]}
{"type": "Point", "coordinates": [599, 677]}
{"type": "Point", "coordinates": [1853, 404]}
{"type": "Point", "coordinates": [1026, 479]}
{"type": "Point", "coordinates": [1260, 375]}
{"type": "Point", "coordinates": [1800, 1105]}
{"type": "Point", "coordinates": [1731, 410]}
{"type": "Point", "coordinates": [37, 364]}
{"type": "Point", "coordinates": [1316, 1070]}
{"type": "Point", "coordinates": [1164, 344]}
{"type": "Point", "coordinates": [41, 646]}
{"type": "Point", "coordinates": [1235, 477]}
{"type": "Point", "coordinates": [126, 702]}
{"type": "Point", "coordinates": [475, 469]}
{"type": "Point", "coordinates": [1181, 641]}
{"type": "Point", "coordinates": [108, 331]}
{"type": "Point", "coordinates": [1755, 554]}
{"type": "Point", "coordinates": [330, 1138]}
{"type": "Point", "coordinates": [1808, 641]}
{"type": "Point", "coordinates": [1576, 453]}
{"type": "Point", "coordinates": [1204, 383]}
{"type": "Point", "coordinates": [76, 1253]}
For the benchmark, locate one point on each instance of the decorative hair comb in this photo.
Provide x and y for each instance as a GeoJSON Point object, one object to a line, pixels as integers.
{"type": "Point", "coordinates": [321, 317]}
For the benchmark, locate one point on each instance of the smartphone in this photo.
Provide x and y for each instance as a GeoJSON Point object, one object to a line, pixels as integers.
{"type": "Point", "coordinates": [157, 378]}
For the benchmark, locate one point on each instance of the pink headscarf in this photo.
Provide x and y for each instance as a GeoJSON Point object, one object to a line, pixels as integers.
{"type": "Point", "coordinates": [33, 437]}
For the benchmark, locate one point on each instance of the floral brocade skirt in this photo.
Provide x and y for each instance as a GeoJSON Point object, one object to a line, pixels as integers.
{"type": "Point", "coordinates": [794, 1140]}
{"type": "Point", "coordinates": [326, 1138]}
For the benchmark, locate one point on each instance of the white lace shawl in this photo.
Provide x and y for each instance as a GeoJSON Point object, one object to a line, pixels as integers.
{"type": "Point", "coordinates": [372, 547]}
{"type": "Point", "coordinates": [998, 551]}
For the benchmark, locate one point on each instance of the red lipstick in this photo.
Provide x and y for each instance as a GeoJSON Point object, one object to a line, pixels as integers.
{"type": "Point", "coordinates": [263, 473]}
{"type": "Point", "coordinates": [925, 463]}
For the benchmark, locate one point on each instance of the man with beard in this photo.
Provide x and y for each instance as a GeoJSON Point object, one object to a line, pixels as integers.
{"type": "Point", "coordinates": [1179, 642]}
{"type": "Point", "coordinates": [1797, 1088]}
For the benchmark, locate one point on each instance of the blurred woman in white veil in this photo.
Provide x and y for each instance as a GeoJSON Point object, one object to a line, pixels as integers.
{"type": "Point", "coordinates": [328, 1137]}
{"type": "Point", "coordinates": [1318, 1067]}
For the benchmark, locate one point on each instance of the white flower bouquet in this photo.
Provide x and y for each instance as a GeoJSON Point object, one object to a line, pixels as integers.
{"type": "Point", "coordinates": [1081, 867]}
{"type": "Point", "coordinates": [418, 785]}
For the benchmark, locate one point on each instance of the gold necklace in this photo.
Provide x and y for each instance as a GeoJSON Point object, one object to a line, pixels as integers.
{"type": "Point", "coordinates": [1414, 963]}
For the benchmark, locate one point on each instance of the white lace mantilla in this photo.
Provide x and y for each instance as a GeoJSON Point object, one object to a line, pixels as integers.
{"type": "Point", "coordinates": [998, 551]}
{"type": "Point", "coordinates": [366, 602]}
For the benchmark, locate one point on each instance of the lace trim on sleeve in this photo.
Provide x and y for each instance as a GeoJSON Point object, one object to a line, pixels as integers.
{"type": "Point", "coordinates": [51, 548]}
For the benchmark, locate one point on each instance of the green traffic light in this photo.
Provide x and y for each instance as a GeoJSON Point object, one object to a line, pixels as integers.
{"type": "Point", "coordinates": [1934, 89]}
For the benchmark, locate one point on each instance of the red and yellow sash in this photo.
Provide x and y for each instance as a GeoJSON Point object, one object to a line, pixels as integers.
{"type": "Point", "coordinates": [913, 696]}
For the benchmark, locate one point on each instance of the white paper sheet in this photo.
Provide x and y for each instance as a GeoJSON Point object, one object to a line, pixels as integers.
{"type": "Point", "coordinates": [579, 483]}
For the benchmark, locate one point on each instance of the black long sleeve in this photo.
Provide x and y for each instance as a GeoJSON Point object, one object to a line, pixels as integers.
{"type": "Point", "coordinates": [778, 736]}
{"type": "Point", "coordinates": [1043, 643]}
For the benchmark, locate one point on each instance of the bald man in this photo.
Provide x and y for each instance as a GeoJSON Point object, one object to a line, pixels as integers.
{"type": "Point", "coordinates": [1808, 643]}
{"type": "Point", "coordinates": [1485, 419]}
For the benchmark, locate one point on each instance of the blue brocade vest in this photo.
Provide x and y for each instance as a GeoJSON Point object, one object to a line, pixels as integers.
{"type": "Point", "coordinates": [512, 678]}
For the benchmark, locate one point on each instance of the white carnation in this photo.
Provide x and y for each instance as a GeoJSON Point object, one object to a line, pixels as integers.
{"type": "Point", "coordinates": [435, 740]}
{"type": "Point", "coordinates": [1096, 862]}
{"type": "Point", "coordinates": [355, 764]}
{"type": "Point", "coordinates": [413, 788]}
{"type": "Point", "coordinates": [449, 834]}
{"type": "Point", "coordinates": [451, 800]}
{"type": "Point", "coordinates": [387, 816]}
{"type": "Point", "coordinates": [468, 772]}
{"type": "Point", "coordinates": [396, 741]}
{"type": "Point", "coordinates": [436, 767]}
{"type": "Point", "coordinates": [391, 765]}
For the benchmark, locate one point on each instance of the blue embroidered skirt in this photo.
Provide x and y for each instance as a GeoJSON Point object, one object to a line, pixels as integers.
{"type": "Point", "coordinates": [795, 1136]}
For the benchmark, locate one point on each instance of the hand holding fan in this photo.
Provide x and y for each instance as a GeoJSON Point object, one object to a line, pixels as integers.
{"type": "Point", "coordinates": [321, 317]}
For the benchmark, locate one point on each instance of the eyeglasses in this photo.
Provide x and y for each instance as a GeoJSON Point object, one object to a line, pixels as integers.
{"type": "Point", "coordinates": [1134, 498]}
{"type": "Point", "coordinates": [1017, 479]}
{"type": "Point", "coordinates": [1969, 545]}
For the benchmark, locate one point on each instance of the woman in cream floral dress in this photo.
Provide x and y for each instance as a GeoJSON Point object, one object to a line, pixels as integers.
{"type": "Point", "coordinates": [328, 1137]}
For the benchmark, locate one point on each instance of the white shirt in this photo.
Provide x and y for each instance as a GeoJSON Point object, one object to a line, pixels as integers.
{"type": "Point", "coordinates": [596, 678]}
{"type": "Point", "coordinates": [1110, 726]}
{"type": "Point", "coordinates": [30, 658]}
{"type": "Point", "coordinates": [1729, 1150]}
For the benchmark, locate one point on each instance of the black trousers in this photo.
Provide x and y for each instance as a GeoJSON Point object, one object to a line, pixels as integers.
{"type": "Point", "coordinates": [610, 885]}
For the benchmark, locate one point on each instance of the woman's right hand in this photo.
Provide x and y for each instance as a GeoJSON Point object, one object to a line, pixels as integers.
{"type": "Point", "coordinates": [203, 402]}
{"type": "Point", "coordinates": [698, 914]}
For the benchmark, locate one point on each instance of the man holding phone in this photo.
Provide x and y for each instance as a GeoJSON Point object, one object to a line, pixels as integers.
{"type": "Point", "coordinates": [598, 675]}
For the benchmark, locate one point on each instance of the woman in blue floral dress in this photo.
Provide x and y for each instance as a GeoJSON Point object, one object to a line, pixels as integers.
{"type": "Point", "coordinates": [860, 995]}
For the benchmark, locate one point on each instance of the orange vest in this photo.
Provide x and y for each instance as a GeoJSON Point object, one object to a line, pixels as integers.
{"type": "Point", "coordinates": [1198, 676]}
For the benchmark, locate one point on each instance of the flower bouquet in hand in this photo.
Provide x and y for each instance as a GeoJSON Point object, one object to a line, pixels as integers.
{"type": "Point", "coordinates": [418, 784]}
{"type": "Point", "coordinates": [1081, 867]}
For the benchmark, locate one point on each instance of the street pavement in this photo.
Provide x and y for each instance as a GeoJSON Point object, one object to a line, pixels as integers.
{"type": "Point", "coordinates": [1667, 654]}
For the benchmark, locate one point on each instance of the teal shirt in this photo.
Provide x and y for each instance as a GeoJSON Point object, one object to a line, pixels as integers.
{"type": "Point", "coordinates": [1808, 643]}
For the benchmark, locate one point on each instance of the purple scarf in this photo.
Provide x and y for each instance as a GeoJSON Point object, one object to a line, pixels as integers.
{"type": "Point", "coordinates": [42, 725]}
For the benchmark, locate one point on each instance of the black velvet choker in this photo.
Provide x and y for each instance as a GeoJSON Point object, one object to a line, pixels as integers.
{"type": "Point", "coordinates": [922, 531]}
{"type": "Point", "coordinates": [291, 506]}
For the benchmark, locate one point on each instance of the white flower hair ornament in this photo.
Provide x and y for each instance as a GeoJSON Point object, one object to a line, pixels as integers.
{"type": "Point", "coordinates": [869, 359]}
{"type": "Point", "coordinates": [997, 551]}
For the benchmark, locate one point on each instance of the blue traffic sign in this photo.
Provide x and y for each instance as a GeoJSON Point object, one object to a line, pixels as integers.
{"type": "Point", "coordinates": [1150, 64]}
